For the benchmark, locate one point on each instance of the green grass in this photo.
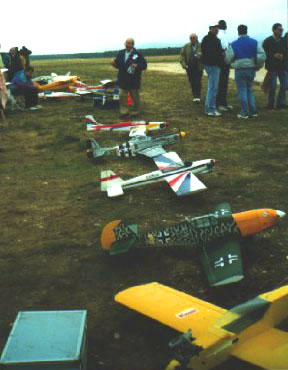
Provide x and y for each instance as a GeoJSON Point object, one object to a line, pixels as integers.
{"type": "Point", "coordinates": [52, 211]}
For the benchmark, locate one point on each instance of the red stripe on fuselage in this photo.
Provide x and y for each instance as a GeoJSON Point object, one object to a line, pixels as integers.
{"type": "Point", "coordinates": [109, 178]}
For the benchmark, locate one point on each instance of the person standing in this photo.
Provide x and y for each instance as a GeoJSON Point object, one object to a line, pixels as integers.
{"type": "Point", "coordinates": [12, 62]}
{"type": "Point", "coordinates": [130, 64]}
{"type": "Point", "coordinates": [212, 59]}
{"type": "Point", "coordinates": [247, 56]}
{"type": "Point", "coordinates": [276, 65]}
{"type": "Point", "coordinates": [189, 59]}
{"type": "Point", "coordinates": [221, 99]}
{"type": "Point", "coordinates": [24, 57]}
{"type": "Point", "coordinates": [22, 85]}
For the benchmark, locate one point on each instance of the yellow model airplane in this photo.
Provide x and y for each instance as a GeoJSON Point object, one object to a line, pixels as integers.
{"type": "Point", "coordinates": [211, 333]}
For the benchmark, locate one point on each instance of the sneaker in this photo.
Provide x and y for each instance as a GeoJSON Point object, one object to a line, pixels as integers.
{"type": "Point", "coordinates": [33, 108]}
{"type": "Point", "coordinates": [214, 114]}
{"type": "Point", "coordinates": [196, 100]}
{"type": "Point", "coordinates": [242, 117]}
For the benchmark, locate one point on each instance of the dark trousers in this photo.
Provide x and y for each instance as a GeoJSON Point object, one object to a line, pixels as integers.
{"type": "Point", "coordinates": [195, 77]}
{"type": "Point", "coordinates": [30, 95]}
{"type": "Point", "coordinates": [282, 75]}
{"type": "Point", "coordinates": [221, 98]}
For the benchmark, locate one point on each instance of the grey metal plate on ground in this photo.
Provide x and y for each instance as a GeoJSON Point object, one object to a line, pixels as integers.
{"type": "Point", "coordinates": [45, 336]}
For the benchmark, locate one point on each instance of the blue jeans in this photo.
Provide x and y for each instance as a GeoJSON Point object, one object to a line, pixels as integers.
{"type": "Point", "coordinates": [282, 75]}
{"type": "Point", "coordinates": [244, 80]}
{"type": "Point", "coordinates": [213, 73]}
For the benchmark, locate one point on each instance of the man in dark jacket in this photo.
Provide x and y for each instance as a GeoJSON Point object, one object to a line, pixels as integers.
{"type": "Point", "coordinates": [130, 64]}
{"type": "Point", "coordinates": [212, 59]}
{"type": "Point", "coordinates": [12, 63]}
{"type": "Point", "coordinates": [276, 61]}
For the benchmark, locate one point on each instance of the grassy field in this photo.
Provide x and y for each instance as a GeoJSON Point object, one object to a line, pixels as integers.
{"type": "Point", "coordinates": [52, 212]}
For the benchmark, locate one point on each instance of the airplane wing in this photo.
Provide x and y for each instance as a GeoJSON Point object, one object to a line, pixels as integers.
{"type": "Point", "coordinates": [185, 183]}
{"type": "Point", "coordinates": [168, 161]}
{"type": "Point", "coordinates": [171, 307]}
{"type": "Point", "coordinates": [267, 350]}
{"type": "Point", "coordinates": [138, 130]}
{"type": "Point", "coordinates": [222, 262]}
{"type": "Point", "coordinates": [152, 152]}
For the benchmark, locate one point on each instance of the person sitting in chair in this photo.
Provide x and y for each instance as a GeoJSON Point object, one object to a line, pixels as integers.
{"type": "Point", "coordinates": [23, 85]}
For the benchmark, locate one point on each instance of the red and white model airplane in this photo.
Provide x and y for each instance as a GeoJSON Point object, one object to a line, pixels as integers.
{"type": "Point", "coordinates": [134, 127]}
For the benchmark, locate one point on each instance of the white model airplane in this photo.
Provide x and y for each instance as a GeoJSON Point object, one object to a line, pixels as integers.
{"type": "Point", "coordinates": [179, 175]}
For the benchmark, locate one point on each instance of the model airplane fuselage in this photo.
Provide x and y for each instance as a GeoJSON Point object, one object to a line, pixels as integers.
{"type": "Point", "coordinates": [211, 333]}
{"type": "Point", "coordinates": [215, 236]}
{"type": "Point", "coordinates": [181, 178]}
{"type": "Point", "coordinates": [93, 125]}
{"type": "Point", "coordinates": [141, 144]}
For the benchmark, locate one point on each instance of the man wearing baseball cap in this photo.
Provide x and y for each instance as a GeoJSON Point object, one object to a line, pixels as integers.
{"type": "Point", "coordinates": [212, 59]}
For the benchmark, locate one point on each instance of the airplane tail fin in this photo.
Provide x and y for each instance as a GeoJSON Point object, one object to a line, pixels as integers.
{"type": "Point", "coordinates": [94, 150]}
{"type": "Point", "coordinates": [89, 119]}
{"type": "Point", "coordinates": [111, 183]}
{"type": "Point", "coordinates": [117, 236]}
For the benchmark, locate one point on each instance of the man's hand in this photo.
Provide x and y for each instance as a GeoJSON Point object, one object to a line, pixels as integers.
{"type": "Point", "coordinates": [278, 56]}
{"type": "Point", "coordinates": [134, 65]}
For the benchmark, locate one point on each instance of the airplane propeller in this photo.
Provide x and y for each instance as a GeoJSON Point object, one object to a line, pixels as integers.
{"type": "Point", "coordinates": [181, 133]}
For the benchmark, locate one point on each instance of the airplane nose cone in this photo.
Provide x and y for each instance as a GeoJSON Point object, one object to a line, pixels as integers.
{"type": "Point", "coordinates": [216, 161]}
{"type": "Point", "coordinates": [280, 213]}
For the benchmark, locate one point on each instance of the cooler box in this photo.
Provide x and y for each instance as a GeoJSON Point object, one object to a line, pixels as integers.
{"type": "Point", "coordinates": [106, 97]}
{"type": "Point", "coordinates": [46, 340]}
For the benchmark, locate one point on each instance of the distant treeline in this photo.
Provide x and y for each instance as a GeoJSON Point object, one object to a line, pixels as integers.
{"type": "Point", "coordinates": [108, 54]}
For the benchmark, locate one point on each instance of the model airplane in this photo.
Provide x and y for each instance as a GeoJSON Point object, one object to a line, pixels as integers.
{"type": "Point", "coordinates": [141, 144]}
{"type": "Point", "coordinates": [55, 82]}
{"type": "Point", "coordinates": [215, 237]}
{"type": "Point", "coordinates": [211, 334]}
{"type": "Point", "coordinates": [57, 95]}
{"type": "Point", "coordinates": [73, 84]}
{"type": "Point", "coordinates": [134, 127]}
{"type": "Point", "coordinates": [179, 175]}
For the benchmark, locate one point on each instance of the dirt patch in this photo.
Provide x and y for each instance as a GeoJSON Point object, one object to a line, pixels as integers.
{"type": "Point", "coordinates": [176, 68]}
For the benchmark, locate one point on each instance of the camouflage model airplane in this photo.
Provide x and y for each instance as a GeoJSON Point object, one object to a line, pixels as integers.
{"type": "Point", "coordinates": [215, 237]}
{"type": "Point", "coordinates": [134, 128]}
{"type": "Point", "coordinates": [179, 175]}
{"type": "Point", "coordinates": [211, 334]}
{"type": "Point", "coordinates": [140, 144]}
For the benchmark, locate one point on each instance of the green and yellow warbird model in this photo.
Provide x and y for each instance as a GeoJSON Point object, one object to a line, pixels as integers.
{"type": "Point", "coordinates": [211, 333]}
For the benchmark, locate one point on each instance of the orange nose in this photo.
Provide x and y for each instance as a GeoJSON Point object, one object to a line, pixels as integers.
{"type": "Point", "coordinates": [108, 235]}
{"type": "Point", "coordinates": [254, 221]}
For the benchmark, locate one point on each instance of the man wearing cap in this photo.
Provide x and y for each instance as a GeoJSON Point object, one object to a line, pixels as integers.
{"type": "Point", "coordinates": [189, 59]}
{"type": "Point", "coordinates": [130, 64]}
{"type": "Point", "coordinates": [212, 59]}
{"type": "Point", "coordinates": [221, 99]}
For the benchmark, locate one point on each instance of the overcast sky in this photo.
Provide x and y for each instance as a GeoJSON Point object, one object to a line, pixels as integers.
{"type": "Point", "coordinates": [65, 26]}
